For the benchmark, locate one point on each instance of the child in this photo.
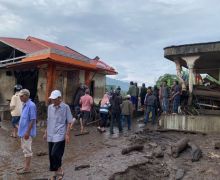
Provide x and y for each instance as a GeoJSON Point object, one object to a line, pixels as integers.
{"type": "Point", "coordinates": [127, 110]}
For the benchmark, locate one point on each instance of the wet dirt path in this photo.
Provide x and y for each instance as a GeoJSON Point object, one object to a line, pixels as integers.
{"type": "Point", "coordinates": [102, 153]}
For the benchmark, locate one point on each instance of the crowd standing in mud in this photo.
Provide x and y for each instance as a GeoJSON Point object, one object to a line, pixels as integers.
{"type": "Point", "coordinates": [113, 109]}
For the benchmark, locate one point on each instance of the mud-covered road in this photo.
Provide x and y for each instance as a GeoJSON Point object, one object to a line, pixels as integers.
{"type": "Point", "coordinates": [101, 155]}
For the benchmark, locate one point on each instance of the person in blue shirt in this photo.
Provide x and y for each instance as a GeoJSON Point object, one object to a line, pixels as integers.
{"type": "Point", "coordinates": [59, 120]}
{"type": "Point", "coordinates": [27, 129]}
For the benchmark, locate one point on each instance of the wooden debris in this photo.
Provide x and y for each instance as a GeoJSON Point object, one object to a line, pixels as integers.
{"type": "Point", "coordinates": [196, 152]}
{"type": "Point", "coordinates": [77, 168]}
{"type": "Point", "coordinates": [93, 122]}
{"type": "Point", "coordinates": [81, 134]}
{"type": "Point", "coordinates": [178, 130]}
{"type": "Point", "coordinates": [41, 153]}
{"type": "Point", "coordinates": [132, 148]}
{"type": "Point", "coordinates": [178, 147]}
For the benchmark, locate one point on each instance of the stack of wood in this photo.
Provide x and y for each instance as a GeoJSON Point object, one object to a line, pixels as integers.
{"type": "Point", "coordinates": [207, 98]}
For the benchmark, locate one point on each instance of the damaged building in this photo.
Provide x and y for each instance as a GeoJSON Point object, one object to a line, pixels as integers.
{"type": "Point", "coordinates": [42, 66]}
{"type": "Point", "coordinates": [203, 98]}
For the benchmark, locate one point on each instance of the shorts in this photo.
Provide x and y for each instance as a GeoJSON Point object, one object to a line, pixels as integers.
{"type": "Point", "coordinates": [15, 120]}
{"type": "Point", "coordinates": [85, 117]}
{"type": "Point", "coordinates": [133, 99]}
{"type": "Point", "coordinates": [77, 112]}
{"type": "Point", "coordinates": [26, 147]}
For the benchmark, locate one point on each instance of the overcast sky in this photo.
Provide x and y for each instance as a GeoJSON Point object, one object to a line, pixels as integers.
{"type": "Point", "coordinates": [127, 34]}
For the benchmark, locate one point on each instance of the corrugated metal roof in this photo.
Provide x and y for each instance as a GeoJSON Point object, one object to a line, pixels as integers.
{"type": "Point", "coordinates": [22, 45]}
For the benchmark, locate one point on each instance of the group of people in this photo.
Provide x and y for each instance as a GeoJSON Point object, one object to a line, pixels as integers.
{"type": "Point", "coordinates": [60, 120]}
{"type": "Point", "coordinates": [57, 133]}
{"type": "Point", "coordinates": [156, 100]}
{"type": "Point", "coordinates": [117, 109]}
{"type": "Point", "coordinates": [112, 107]}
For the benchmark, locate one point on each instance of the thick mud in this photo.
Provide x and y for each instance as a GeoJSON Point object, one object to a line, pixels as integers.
{"type": "Point", "coordinates": [98, 156]}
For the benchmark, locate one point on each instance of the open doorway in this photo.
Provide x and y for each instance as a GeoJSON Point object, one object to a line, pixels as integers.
{"type": "Point", "coordinates": [28, 79]}
{"type": "Point", "coordinates": [92, 88]}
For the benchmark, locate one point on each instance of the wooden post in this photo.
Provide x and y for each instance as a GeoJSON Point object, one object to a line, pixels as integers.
{"type": "Point", "coordinates": [87, 78]}
{"type": "Point", "coordinates": [51, 78]}
{"type": "Point", "coordinates": [65, 86]}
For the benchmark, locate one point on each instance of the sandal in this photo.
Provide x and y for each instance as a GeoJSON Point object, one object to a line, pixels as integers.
{"type": "Point", "coordinates": [19, 168]}
{"type": "Point", "coordinates": [11, 135]}
{"type": "Point", "coordinates": [52, 178]}
{"type": "Point", "coordinates": [59, 176]}
{"type": "Point", "coordinates": [22, 171]}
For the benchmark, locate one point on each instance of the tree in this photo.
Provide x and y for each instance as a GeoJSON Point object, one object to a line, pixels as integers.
{"type": "Point", "coordinates": [170, 78]}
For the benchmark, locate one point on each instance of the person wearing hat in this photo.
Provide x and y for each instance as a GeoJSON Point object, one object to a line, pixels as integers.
{"type": "Point", "coordinates": [27, 128]}
{"type": "Point", "coordinates": [15, 108]}
{"type": "Point", "coordinates": [126, 111]}
{"type": "Point", "coordinates": [59, 119]}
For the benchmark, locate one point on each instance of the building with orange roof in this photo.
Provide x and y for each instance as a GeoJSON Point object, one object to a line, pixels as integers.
{"type": "Point", "coordinates": [42, 66]}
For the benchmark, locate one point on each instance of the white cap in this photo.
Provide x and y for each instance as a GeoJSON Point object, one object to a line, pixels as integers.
{"type": "Point", "coordinates": [128, 96]}
{"type": "Point", "coordinates": [55, 94]}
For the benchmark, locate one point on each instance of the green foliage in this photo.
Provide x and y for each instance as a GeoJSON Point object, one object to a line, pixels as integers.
{"type": "Point", "coordinates": [212, 79]}
{"type": "Point", "coordinates": [170, 78]}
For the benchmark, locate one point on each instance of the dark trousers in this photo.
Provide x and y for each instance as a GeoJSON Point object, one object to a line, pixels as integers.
{"type": "Point", "coordinates": [56, 151]}
{"type": "Point", "coordinates": [115, 117]}
{"type": "Point", "coordinates": [104, 118]}
{"type": "Point", "coordinates": [128, 118]}
{"type": "Point", "coordinates": [151, 109]}
{"type": "Point", "coordinates": [176, 103]}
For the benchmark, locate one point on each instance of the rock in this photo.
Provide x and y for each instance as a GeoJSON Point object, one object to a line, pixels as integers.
{"type": "Point", "coordinates": [38, 123]}
{"type": "Point", "coordinates": [179, 174]}
{"type": "Point", "coordinates": [152, 144]}
{"type": "Point", "coordinates": [158, 153]}
{"type": "Point", "coordinates": [217, 145]}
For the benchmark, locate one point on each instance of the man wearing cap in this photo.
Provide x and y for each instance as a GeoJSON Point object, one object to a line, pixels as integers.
{"type": "Point", "coordinates": [127, 111]}
{"type": "Point", "coordinates": [27, 128]}
{"type": "Point", "coordinates": [59, 120]}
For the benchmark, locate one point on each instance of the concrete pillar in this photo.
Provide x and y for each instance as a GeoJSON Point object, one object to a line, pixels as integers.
{"type": "Point", "coordinates": [65, 86]}
{"type": "Point", "coordinates": [179, 74]}
{"type": "Point", "coordinates": [190, 60]}
{"type": "Point", "coordinates": [219, 75]}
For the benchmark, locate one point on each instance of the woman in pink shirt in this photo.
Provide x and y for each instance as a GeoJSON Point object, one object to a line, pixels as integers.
{"type": "Point", "coordinates": [86, 102]}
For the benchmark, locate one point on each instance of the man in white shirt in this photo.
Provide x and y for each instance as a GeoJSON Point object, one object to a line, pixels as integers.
{"type": "Point", "coordinates": [16, 108]}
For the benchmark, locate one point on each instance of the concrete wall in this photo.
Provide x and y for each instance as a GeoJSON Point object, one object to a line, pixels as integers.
{"type": "Point", "coordinates": [201, 123]}
{"type": "Point", "coordinates": [7, 86]}
{"type": "Point", "coordinates": [67, 82]}
{"type": "Point", "coordinates": [99, 90]}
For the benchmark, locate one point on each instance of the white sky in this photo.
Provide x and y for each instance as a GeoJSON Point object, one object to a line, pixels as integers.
{"type": "Point", "coordinates": [128, 34]}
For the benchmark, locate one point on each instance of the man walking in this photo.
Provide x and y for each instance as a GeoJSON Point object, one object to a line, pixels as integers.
{"type": "Point", "coordinates": [86, 101]}
{"type": "Point", "coordinates": [115, 101]}
{"type": "Point", "coordinates": [133, 93]}
{"type": "Point", "coordinates": [59, 119]}
{"type": "Point", "coordinates": [27, 129]}
{"type": "Point", "coordinates": [165, 97]}
{"type": "Point", "coordinates": [16, 108]}
{"type": "Point", "coordinates": [151, 106]}
{"type": "Point", "coordinates": [126, 111]}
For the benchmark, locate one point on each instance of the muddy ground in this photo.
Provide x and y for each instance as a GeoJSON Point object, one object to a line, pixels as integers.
{"type": "Point", "coordinates": [103, 160]}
